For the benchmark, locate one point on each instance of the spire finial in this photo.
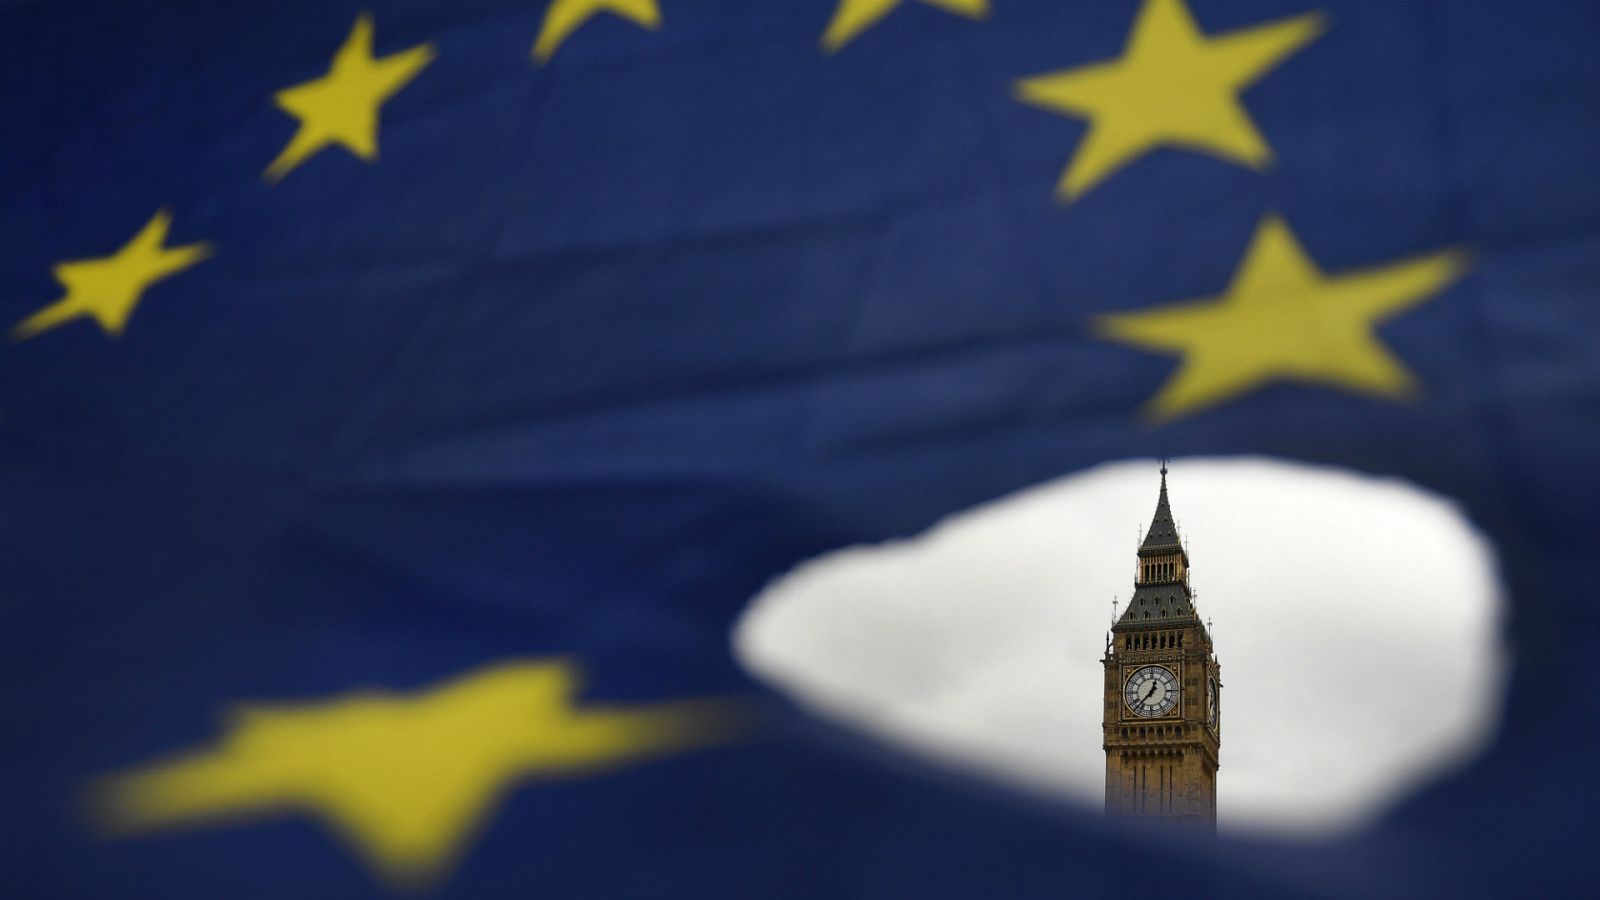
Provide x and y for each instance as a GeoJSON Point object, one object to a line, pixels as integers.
{"type": "Point", "coordinates": [1163, 468]}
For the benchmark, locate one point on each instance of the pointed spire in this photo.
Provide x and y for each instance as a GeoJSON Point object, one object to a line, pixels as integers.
{"type": "Point", "coordinates": [1163, 532]}
{"type": "Point", "coordinates": [1161, 595]}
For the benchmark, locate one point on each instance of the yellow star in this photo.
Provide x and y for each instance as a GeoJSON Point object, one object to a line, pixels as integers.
{"type": "Point", "coordinates": [566, 16]}
{"type": "Point", "coordinates": [406, 779]}
{"type": "Point", "coordinates": [1281, 319]}
{"type": "Point", "coordinates": [341, 107]}
{"type": "Point", "coordinates": [855, 16]}
{"type": "Point", "coordinates": [1173, 87]}
{"type": "Point", "coordinates": [108, 288]}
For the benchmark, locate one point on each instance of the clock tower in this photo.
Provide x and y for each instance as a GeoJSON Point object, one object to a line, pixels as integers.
{"type": "Point", "coordinates": [1163, 691]}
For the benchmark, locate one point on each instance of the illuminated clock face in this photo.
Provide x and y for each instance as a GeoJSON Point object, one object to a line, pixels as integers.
{"type": "Point", "coordinates": [1211, 702]}
{"type": "Point", "coordinates": [1151, 691]}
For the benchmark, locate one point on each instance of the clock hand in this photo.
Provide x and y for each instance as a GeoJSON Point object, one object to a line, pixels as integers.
{"type": "Point", "coordinates": [1149, 692]}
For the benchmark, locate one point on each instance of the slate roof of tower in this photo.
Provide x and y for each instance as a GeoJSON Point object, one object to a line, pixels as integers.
{"type": "Point", "coordinates": [1158, 603]}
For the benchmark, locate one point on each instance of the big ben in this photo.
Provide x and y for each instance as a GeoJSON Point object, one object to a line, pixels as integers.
{"type": "Point", "coordinates": [1163, 691]}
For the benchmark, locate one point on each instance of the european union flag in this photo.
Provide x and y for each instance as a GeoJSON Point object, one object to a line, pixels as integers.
{"type": "Point", "coordinates": [400, 403]}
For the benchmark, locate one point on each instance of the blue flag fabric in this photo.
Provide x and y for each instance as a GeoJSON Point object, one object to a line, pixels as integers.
{"type": "Point", "coordinates": [400, 403]}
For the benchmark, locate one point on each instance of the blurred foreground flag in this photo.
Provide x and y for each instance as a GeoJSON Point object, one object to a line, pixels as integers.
{"type": "Point", "coordinates": [399, 404]}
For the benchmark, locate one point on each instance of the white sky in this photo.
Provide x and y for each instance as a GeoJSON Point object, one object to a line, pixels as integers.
{"type": "Point", "coordinates": [1356, 621]}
